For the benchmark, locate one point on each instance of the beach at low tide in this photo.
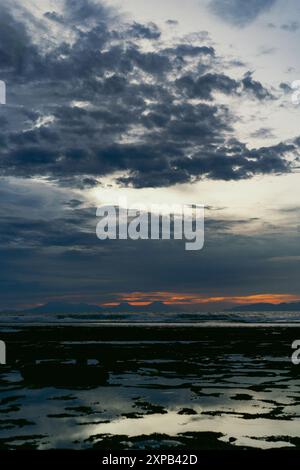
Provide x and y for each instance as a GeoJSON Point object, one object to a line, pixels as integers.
{"type": "Point", "coordinates": [149, 386]}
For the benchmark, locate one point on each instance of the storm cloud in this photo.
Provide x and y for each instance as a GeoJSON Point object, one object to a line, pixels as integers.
{"type": "Point", "coordinates": [99, 102]}
{"type": "Point", "coordinates": [96, 100]}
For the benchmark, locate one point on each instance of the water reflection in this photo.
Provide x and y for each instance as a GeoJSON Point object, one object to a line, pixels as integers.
{"type": "Point", "coordinates": [198, 393]}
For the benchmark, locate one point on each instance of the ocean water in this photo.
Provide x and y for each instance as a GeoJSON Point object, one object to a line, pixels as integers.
{"type": "Point", "coordinates": [217, 318]}
{"type": "Point", "coordinates": [206, 385]}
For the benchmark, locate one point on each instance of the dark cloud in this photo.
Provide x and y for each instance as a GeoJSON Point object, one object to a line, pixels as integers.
{"type": "Point", "coordinates": [186, 50]}
{"type": "Point", "coordinates": [240, 12]}
{"type": "Point", "coordinates": [263, 133]}
{"type": "Point", "coordinates": [17, 52]}
{"type": "Point", "coordinates": [204, 86]}
{"type": "Point", "coordinates": [285, 87]}
{"type": "Point", "coordinates": [84, 12]}
{"type": "Point", "coordinates": [141, 31]}
{"type": "Point", "coordinates": [53, 16]}
{"type": "Point", "coordinates": [292, 26]}
{"type": "Point", "coordinates": [101, 103]}
{"type": "Point", "coordinates": [172, 22]}
{"type": "Point", "coordinates": [256, 88]}
{"type": "Point", "coordinates": [235, 161]}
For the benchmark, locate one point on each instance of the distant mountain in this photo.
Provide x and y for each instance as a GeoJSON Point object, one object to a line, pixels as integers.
{"type": "Point", "coordinates": [153, 307]}
{"type": "Point", "coordinates": [76, 308]}
{"type": "Point", "coordinates": [267, 307]}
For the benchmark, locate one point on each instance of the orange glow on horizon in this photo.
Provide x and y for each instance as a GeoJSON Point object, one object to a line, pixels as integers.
{"type": "Point", "coordinates": [170, 298]}
{"type": "Point", "coordinates": [143, 299]}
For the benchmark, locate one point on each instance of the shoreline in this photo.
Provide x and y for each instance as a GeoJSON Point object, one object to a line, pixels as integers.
{"type": "Point", "coordinates": [150, 324]}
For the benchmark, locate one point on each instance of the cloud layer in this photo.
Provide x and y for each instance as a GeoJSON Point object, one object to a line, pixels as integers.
{"type": "Point", "coordinates": [113, 97]}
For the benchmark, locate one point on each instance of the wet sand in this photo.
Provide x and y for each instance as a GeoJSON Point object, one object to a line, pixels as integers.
{"type": "Point", "coordinates": [149, 387]}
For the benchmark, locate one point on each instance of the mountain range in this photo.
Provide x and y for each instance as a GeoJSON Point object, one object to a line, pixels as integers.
{"type": "Point", "coordinates": [57, 307]}
{"type": "Point", "coordinates": [76, 308]}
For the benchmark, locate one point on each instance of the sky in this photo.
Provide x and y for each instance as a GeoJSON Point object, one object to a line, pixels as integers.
{"type": "Point", "coordinates": [160, 102]}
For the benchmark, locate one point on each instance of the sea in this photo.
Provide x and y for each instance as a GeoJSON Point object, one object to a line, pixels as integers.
{"type": "Point", "coordinates": [150, 381]}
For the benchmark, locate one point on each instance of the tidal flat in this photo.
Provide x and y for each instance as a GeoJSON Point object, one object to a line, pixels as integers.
{"type": "Point", "coordinates": [114, 386]}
